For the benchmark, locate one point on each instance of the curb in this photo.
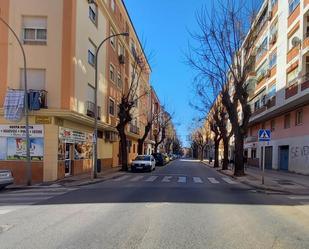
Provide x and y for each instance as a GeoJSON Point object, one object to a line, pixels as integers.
{"type": "Point", "coordinates": [245, 182]}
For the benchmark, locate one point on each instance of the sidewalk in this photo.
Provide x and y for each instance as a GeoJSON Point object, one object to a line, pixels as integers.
{"type": "Point", "coordinates": [278, 181]}
{"type": "Point", "coordinates": [75, 181]}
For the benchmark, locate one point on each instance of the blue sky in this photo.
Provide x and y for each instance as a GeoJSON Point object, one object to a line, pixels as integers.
{"type": "Point", "coordinates": [164, 25]}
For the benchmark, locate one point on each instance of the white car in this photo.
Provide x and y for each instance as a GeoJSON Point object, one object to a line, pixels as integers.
{"type": "Point", "coordinates": [143, 162]}
{"type": "Point", "coordinates": [6, 178]}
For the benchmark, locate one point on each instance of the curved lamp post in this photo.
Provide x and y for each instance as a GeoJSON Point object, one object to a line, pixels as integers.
{"type": "Point", "coordinates": [29, 173]}
{"type": "Point", "coordinates": [95, 133]}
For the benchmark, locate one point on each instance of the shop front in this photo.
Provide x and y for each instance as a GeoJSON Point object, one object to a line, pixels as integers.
{"type": "Point", "coordinates": [13, 151]}
{"type": "Point", "coordinates": [75, 152]}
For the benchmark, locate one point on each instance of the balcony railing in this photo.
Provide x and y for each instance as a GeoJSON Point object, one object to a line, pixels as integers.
{"type": "Point", "coordinates": [91, 110]}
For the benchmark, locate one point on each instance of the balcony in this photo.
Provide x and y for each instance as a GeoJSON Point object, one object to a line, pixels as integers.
{"type": "Point", "coordinates": [134, 129]}
{"type": "Point", "coordinates": [37, 99]}
{"type": "Point", "coordinates": [305, 82]}
{"type": "Point", "coordinates": [91, 110]}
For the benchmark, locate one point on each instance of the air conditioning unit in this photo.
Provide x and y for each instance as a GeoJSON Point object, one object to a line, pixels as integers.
{"type": "Point", "coordinates": [121, 59]}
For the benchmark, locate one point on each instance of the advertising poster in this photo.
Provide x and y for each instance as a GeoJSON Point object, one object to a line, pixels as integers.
{"type": "Point", "coordinates": [16, 149]}
{"type": "Point", "coordinates": [3, 148]}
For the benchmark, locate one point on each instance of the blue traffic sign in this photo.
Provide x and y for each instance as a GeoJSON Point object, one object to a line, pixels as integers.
{"type": "Point", "coordinates": [264, 135]}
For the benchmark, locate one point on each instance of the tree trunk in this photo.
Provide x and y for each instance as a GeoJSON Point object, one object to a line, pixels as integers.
{"type": "Point", "coordinates": [226, 154]}
{"type": "Point", "coordinates": [239, 155]}
{"type": "Point", "coordinates": [202, 154]}
{"type": "Point", "coordinates": [140, 146]}
{"type": "Point", "coordinates": [124, 152]}
{"type": "Point", "coordinates": [216, 164]}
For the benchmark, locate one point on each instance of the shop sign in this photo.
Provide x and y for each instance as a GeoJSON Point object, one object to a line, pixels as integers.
{"type": "Point", "coordinates": [73, 136]}
{"type": "Point", "coordinates": [19, 131]}
{"type": "Point", "coordinates": [43, 120]}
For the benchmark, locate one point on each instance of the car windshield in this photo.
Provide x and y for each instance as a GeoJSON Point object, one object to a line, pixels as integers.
{"type": "Point", "coordinates": [142, 158]}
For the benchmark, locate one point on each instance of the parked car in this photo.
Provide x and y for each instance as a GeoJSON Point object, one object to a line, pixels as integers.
{"type": "Point", "coordinates": [160, 159]}
{"type": "Point", "coordinates": [143, 162]}
{"type": "Point", "coordinates": [6, 178]}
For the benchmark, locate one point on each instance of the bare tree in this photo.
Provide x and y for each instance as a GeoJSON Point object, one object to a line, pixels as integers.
{"type": "Point", "coordinates": [213, 123]}
{"type": "Point", "coordinates": [223, 60]}
{"type": "Point", "coordinates": [128, 101]}
{"type": "Point", "coordinates": [200, 138]}
{"type": "Point", "coordinates": [162, 122]}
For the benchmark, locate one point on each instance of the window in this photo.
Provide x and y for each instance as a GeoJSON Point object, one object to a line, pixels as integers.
{"type": "Point", "coordinates": [273, 2]}
{"type": "Point", "coordinates": [272, 59]}
{"type": "Point", "coordinates": [91, 53]}
{"type": "Point", "coordinates": [112, 39]}
{"type": "Point", "coordinates": [112, 73]}
{"type": "Point", "coordinates": [90, 93]}
{"type": "Point", "coordinates": [111, 107]}
{"type": "Point", "coordinates": [261, 71]}
{"type": "Point", "coordinates": [287, 119]}
{"type": "Point", "coordinates": [262, 48]}
{"type": "Point", "coordinates": [272, 91]}
{"type": "Point", "coordinates": [292, 5]}
{"type": "Point", "coordinates": [113, 5]}
{"type": "Point", "coordinates": [93, 11]}
{"type": "Point", "coordinates": [299, 117]}
{"type": "Point", "coordinates": [272, 124]}
{"type": "Point", "coordinates": [34, 30]}
{"type": "Point", "coordinates": [119, 80]}
{"type": "Point", "coordinates": [292, 77]}
{"type": "Point", "coordinates": [35, 79]}
{"type": "Point", "coordinates": [120, 49]}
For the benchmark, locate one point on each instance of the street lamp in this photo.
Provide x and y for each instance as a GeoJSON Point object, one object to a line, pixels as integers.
{"type": "Point", "coordinates": [28, 162]}
{"type": "Point", "coordinates": [95, 133]}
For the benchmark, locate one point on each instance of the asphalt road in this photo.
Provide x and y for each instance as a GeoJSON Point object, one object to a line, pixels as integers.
{"type": "Point", "coordinates": [182, 205]}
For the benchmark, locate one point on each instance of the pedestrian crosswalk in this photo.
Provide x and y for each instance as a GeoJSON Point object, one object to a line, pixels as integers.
{"type": "Point", "coordinates": [28, 196]}
{"type": "Point", "coordinates": [174, 179]}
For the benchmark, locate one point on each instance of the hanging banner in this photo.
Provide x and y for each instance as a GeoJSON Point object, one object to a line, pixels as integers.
{"type": "Point", "coordinates": [20, 131]}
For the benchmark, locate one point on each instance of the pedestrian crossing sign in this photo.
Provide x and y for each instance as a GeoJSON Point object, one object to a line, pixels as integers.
{"type": "Point", "coordinates": [264, 135]}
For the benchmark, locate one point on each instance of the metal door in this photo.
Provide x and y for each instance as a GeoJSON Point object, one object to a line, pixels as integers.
{"type": "Point", "coordinates": [268, 157]}
{"type": "Point", "coordinates": [284, 157]}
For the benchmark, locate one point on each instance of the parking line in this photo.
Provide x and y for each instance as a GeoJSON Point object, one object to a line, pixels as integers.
{"type": "Point", "coordinates": [166, 178]}
{"type": "Point", "coordinates": [182, 179]}
{"type": "Point", "coordinates": [228, 180]}
{"type": "Point", "coordinates": [212, 180]}
{"type": "Point", "coordinates": [197, 180]}
{"type": "Point", "coordinates": [151, 178]}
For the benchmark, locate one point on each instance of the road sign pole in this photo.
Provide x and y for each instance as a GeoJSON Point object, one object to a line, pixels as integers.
{"type": "Point", "coordinates": [263, 164]}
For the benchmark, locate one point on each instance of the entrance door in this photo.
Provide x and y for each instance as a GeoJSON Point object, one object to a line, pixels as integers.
{"type": "Point", "coordinates": [68, 159]}
{"type": "Point", "coordinates": [284, 157]}
{"type": "Point", "coordinates": [268, 157]}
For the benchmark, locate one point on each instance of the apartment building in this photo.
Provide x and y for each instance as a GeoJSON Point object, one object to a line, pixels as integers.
{"type": "Point", "coordinates": [279, 87]}
{"type": "Point", "coordinates": [60, 39]}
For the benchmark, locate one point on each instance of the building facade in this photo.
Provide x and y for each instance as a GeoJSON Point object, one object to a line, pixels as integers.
{"type": "Point", "coordinates": [279, 87]}
{"type": "Point", "coordinates": [60, 39]}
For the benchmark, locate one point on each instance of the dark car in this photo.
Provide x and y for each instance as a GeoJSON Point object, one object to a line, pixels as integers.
{"type": "Point", "coordinates": [160, 159]}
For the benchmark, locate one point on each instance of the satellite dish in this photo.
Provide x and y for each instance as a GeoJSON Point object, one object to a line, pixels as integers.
{"type": "Point", "coordinates": [296, 41]}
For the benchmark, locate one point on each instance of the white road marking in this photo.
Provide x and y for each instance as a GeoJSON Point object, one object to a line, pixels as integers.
{"type": "Point", "coordinates": [167, 179]}
{"type": "Point", "coordinates": [6, 211]}
{"type": "Point", "coordinates": [228, 180]}
{"type": "Point", "coordinates": [306, 197]}
{"type": "Point", "coordinates": [197, 180]}
{"type": "Point", "coordinates": [136, 178]}
{"type": "Point", "coordinates": [151, 178]}
{"type": "Point", "coordinates": [121, 178]}
{"type": "Point", "coordinates": [182, 179]}
{"type": "Point", "coordinates": [213, 180]}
